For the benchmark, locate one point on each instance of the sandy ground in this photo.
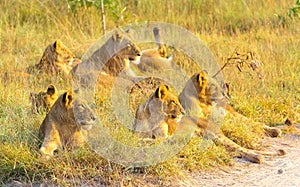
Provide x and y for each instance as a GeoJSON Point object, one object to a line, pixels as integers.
{"type": "Point", "coordinates": [274, 171]}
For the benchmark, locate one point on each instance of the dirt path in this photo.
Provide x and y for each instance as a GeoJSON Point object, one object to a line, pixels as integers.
{"type": "Point", "coordinates": [274, 171]}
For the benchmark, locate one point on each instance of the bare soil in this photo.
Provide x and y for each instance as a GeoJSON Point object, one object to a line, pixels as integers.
{"type": "Point", "coordinates": [274, 171]}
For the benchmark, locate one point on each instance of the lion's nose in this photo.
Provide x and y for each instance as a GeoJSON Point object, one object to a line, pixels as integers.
{"type": "Point", "coordinates": [183, 112]}
{"type": "Point", "coordinates": [174, 116]}
{"type": "Point", "coordinates": [93, 118]}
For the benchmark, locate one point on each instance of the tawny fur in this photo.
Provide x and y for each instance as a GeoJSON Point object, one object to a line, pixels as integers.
{"type": "Point", "coordinates": [153, 117]}
{"type": "Point", "coordinates": [57, 59]}
{"type": "Point", "coordinates": [61, 128]}
{"type": "Point", "coordinates": [112, 58]}
{"type": "Point", "coordinates": [199, 97]}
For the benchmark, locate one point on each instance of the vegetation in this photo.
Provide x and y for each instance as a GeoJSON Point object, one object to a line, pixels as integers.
{"type": "Point", "coordinates": [27, 27]}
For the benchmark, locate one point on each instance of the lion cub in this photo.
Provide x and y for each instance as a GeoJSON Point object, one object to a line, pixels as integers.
{"type": "Point", "coordinates": [155, 118]}
{"type": "Point", "coordinates": [63, 125]}
{"type": "Point", "coordinates": [43, 101]}
{"type": "Point", "coordinates": [155, 59]}
{"type": "Point", "coordinates": [57, 59]}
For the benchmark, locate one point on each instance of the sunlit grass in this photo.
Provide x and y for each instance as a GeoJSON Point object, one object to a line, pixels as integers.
{"type": "Point", "coordinates": [27, 27]}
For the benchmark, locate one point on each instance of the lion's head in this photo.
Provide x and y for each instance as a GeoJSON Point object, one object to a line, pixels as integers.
{"type": "Point", "coordinates": [167, 102]}
{"type": "Point", "coordinates": [43, 101]}
{"type": "Point", "coordinates": [124, 51]}
{"type": "Point", "coordinates": [70, 107]}
{"type": "Point", "coordinates": [113, 57]}
{"type": "Point", "coordinates": [200, 93]}
{"type": "Point", "coordinates": [157, 111]}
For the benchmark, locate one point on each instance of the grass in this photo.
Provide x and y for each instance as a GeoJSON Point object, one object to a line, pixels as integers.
{"type": "Point", "coordinates": [27, 27]}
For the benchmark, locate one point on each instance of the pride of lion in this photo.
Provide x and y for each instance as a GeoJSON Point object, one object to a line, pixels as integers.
{"type": "Point", "coordinates": [68, 117]}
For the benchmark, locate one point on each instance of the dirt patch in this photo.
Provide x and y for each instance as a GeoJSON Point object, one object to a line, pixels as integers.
{"type": "Point", "coordinates": [274, 171]}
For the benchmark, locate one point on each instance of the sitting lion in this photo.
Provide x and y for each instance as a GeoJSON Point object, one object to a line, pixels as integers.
{"type": "Point", "coordinates": [57, 59]}
{"type": "Point", "coordinates": [202, 92]}
{"type": "Point", "coordinates": [43, 101]}
{"type": "Point", "coordinates": [152, 118]}
{"type": "Point", "coordinates": [64, 124]}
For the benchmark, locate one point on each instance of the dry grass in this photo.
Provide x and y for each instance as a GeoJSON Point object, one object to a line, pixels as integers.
{"type": "Point", "coordinates": [27, 27]}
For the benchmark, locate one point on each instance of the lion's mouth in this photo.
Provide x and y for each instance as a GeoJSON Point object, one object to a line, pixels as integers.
{"type": "Point", "coordinates": [87, 125]}
{"type": "Point", "coordinates": [176, 117]}
{"type": "Point", "coordinates": [136, 60]}
{"type": "Point", "coordinates": [131, 58]}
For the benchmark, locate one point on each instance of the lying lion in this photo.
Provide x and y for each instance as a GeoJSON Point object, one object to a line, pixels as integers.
{"type": "Point", "coordinates": [112, 58]}
{"type": "Point", "coordinates": [162, 115]}
{"type": "Point", "coordinates": [202, 91]}
{"type": "Point", "coordinates": [152, 117]}
{"type": "Point", "coordinates": [154, 59]}
{"type": "Point", "coordinates": [57, 59]}
{"type": "Point", "coordinates": [64, 124]}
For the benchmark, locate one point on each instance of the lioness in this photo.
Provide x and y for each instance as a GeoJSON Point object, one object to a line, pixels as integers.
{"type": "Point", "coordinates": [43, 101]}
{"type": "Point", "coordinates": [57, 59]}
{"type": "Point", "coordinates": [154, 59]}
{"type": "Point", "coordinates": [201, 92]}
{"type": "Point", "coordinates": [112, 58]}
{"type": "Point", "coordinates": [64, 124]}
{"type": "Point", "coordinates": [155, 117]}
{"type": "Point", "coordinates": [162, 116]}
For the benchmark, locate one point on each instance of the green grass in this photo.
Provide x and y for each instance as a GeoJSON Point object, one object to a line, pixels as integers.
{"type": "Point", "coordinates": [27, 27]}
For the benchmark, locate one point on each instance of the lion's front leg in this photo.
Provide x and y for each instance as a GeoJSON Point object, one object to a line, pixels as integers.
{"type": "Point", "coordinates": [77, 139]}
{"type": "Point", "coordinates": [51, 143]}
{"type": "Point", "coordinates": [161, 130]}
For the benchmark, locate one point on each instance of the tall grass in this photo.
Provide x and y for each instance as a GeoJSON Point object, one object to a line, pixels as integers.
{"type": "Point", "coordinates": [27, 27]}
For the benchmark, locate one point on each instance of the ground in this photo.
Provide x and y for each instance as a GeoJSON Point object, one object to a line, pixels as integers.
{"type": "Point", "coordinates": [275, 171]}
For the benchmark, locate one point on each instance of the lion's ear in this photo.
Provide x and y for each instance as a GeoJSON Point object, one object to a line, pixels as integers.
{"type": "Point", "coordinates": [202, 77]}
{"type": "Point", "coordinates": [57, 44]}
{"type": "Point", "coordinates": [51, 90]}
{"type": "Point", "coordinates": [162, 91]}
{"type": "Point", "coordinates": [68, 98]}
{"type": "Point", "coordinates": [31, 95]}
{"type": "Point", "coordinates": [162, 50]}
{"type": "Point", "coordinates": [117, 36]}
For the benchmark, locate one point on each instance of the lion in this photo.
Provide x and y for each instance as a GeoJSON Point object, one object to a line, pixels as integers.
{"type": "Point", "coordinates": [162, 116]}
{"type": "Point", "coordinates": [64, 125]}
{"type": "Point", "coordinates": [43, 101]}
{"type": "Point", "coordinates": [154, 118]}
{"type": "Point", "coordinates": [112, 58]}
{"type": "Point", "coordinates": [57, 59]}
{"type": "Point", "coordinates": [155, 59]}
{"type": "Point", "coordinates": [201, 93]}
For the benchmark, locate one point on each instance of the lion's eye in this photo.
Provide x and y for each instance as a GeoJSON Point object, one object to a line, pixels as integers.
{"type": "Point", "coordinates": [81, 107]}
{"type": "Point", "coordinates": [173, 102]}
